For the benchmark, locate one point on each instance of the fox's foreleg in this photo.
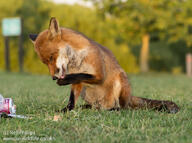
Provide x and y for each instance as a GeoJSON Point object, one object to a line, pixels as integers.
{"type": "Point", "coordinates": [75, 92]}
{"type": "Point", "coordinates": [75, 80]}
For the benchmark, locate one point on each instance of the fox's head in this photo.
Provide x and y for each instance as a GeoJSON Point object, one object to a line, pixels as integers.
{"type": "Point", "coordinates": [48, 45]}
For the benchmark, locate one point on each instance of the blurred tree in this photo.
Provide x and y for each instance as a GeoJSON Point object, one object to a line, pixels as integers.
{"type": "Point", "coordinates": [139, 19]}
{"type": "Point", "coordinates": [34, 14]}
{"type": "Point", "coordinates": [120, 26]}
{"type": "Point", "coordinates": [7, 10]}
{"type": "Point", "coordinates": [181, 26]}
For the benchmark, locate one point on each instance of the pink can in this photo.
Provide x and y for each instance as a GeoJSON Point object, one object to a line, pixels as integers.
{"type": "Point", "coordinates": [7, 106]}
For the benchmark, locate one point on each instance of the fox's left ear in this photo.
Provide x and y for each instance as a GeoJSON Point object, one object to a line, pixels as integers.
{"type": "Point", "coordinates": [33, 37]}
{"type": "Point", "coordinates": [54, 28]}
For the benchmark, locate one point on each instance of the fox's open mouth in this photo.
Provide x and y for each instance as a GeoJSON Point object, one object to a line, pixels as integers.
{"type": "Point", "coordinates": [62, 76]}
{"type": "Point", "coordinates": [63, 73]}
{"type": "Point", "coordinates": [59, 78]}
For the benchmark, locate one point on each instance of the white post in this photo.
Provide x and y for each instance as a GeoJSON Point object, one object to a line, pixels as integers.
{"type": "Point", "coordinates": [189, 64]}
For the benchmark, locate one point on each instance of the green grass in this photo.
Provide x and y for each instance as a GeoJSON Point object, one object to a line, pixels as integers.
{"type": "Point", "coordinates": [38, 96]}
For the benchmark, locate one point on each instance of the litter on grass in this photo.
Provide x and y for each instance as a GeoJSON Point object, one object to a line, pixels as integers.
{"type": "Point", "coordinates": [8, 108]}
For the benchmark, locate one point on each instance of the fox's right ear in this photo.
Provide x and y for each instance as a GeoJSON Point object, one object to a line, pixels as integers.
{"type": "Point", "coordinates": [33, 37]}
{"type": "Point", "coordinates": [54, 28]}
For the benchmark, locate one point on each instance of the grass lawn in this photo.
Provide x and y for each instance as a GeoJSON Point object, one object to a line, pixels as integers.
{"type": "Point", "coordinates": [38, 96]}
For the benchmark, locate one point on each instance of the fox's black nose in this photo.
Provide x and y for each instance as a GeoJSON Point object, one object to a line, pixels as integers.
{"type": "Point", "coordinates": [54, 78]}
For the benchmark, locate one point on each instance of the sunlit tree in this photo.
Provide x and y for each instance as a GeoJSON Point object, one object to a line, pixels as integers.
{"type": "Point", "coordinates": [140, 18]}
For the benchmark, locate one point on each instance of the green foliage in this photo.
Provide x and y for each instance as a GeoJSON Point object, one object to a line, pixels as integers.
{"type": "Point", "coordinates": [7, 10]}
{"type": "Point", "coordinates": [181, 24]}
{"type": "Point", "coordinates": [170, 21]}
{"type": "Point", "coordinates": [32, 63]}
{"type": "Point", "coordinates": [140, 17]}
{"type": "Point", "coordinates": [116, 24]}
{"type": "Point", "coordinates": [36, 15]}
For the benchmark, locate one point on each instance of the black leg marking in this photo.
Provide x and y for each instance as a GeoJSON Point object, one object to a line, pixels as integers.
{"type": "Point", "coordinates": [71, 103]}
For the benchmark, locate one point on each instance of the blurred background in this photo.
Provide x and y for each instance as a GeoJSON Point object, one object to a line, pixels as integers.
{"type": "Point", "coordinates": [144, 35]}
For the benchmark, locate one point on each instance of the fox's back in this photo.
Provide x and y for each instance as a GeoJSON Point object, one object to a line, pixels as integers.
{"type": "Point", "coordinates": [79, 40]}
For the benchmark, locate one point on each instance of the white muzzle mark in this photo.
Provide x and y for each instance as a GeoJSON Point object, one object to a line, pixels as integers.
{"type": "Point", "coordinates": [61, 63]}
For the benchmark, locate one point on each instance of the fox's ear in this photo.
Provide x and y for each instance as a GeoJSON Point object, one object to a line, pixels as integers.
{"type": "Point", "coordinates": [33, 37]}
{"type": "Point", "coordinates": [54, 28]}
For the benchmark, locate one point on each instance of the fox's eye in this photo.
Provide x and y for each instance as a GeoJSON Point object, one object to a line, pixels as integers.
{"type": "Point", "coordinates": [51, 58]}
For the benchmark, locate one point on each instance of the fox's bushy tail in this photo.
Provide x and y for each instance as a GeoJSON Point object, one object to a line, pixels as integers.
{"type": "Point", "coordinates": [126, 100]}
{"type": "Point", "coordinates": [159, 105]}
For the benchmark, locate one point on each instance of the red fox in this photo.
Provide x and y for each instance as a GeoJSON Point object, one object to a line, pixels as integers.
{"type": "Point", "coordinates": [93, 71]}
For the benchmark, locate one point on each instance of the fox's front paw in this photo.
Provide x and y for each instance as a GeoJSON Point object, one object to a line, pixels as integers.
{"type": "Point", "coordinates": [61, 82]}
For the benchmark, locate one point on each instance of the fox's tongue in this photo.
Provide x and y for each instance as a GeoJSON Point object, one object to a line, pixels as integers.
{"type": "Point", "coordinates": [62, 77]}
{"type": "Point", "coordinates": [63, 73]}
